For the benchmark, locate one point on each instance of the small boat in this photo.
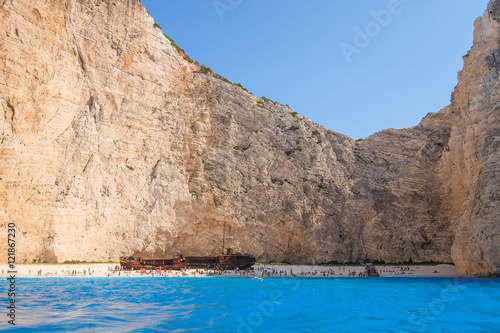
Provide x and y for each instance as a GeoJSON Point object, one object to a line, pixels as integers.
{"type": "Point", "coordinates": [371, 271]}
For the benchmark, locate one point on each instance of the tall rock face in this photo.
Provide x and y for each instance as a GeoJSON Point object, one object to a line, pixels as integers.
{"type": "Point", "coordinates": [396, 191]}
{"type": "Point", "coordinates": [111, 143]}
{"type": "Point", "coordinates": [470, 171]}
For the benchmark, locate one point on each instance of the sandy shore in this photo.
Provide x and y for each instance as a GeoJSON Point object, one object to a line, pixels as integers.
{"type": "Point", "coordinates": [112, 270]}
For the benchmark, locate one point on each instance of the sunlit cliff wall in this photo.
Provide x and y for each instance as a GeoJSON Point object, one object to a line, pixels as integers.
{"type": "Point", "coordinates": [111, 143]}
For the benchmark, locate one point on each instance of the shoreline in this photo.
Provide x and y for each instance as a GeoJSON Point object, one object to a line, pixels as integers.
{"type": "Point", "coordinates": [259, 271]}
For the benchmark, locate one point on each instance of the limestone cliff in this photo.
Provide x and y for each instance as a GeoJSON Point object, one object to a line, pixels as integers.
{"type": "Point", "coordinates": [112, 143]}
{"type": "Point", "coordinates": [470, 170]}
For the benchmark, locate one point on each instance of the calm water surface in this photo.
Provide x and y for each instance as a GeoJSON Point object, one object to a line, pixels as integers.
{"type": "Point", "coordinates": [248, 305]}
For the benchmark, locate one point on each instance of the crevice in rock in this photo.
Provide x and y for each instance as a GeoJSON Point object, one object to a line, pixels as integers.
{"type": "Point", "coordinates": [81, 62]}
{"type": "Point", "coordinates": [10, 115]}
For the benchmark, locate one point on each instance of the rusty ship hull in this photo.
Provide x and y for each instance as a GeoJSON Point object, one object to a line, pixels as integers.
{"type": "Point", "coordinates": [226, 261]}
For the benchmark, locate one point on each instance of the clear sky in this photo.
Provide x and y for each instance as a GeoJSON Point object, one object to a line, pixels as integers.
{"type": "Point", "coordinates": [355, 67]}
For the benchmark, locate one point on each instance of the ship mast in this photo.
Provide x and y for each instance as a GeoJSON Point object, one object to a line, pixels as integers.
{"type": "Point", "coordinates": [224, 237]}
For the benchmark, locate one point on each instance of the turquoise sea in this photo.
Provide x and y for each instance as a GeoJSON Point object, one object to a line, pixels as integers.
{"type": "Point", "coordinates": [249, 305]}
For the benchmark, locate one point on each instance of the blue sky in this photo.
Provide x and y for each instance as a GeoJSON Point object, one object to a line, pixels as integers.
{"type": "Point", "coordinates": [355, 67]}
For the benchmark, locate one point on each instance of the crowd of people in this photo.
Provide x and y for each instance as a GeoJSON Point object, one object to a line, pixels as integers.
{"type": "Point", "coordinates": [258, 271]}
{"type": "Point", "coordinates": [312, 271]}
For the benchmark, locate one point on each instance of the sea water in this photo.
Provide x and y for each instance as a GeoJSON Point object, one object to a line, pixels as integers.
{"type": "Point", "coordinates": [250, 305]}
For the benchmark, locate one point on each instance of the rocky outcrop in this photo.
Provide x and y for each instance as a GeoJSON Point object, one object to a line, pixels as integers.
{"type": "Point", "coordinates": [113, 143]}
{"type": "Point", "coordinates": [470, 171]}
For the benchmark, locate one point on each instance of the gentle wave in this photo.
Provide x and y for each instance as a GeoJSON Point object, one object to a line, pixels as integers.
{"type": "Point", "coordinates": [247, 305]}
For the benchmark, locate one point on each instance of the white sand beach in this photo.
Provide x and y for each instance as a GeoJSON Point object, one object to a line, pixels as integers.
{"type": "Point", "coordinates": [262, 270]}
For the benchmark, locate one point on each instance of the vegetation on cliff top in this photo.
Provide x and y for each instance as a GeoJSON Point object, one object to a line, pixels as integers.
{"type": "Point", "coordinates": [179, 50]}
{"type": "Point", "coordinates": [204, 69]}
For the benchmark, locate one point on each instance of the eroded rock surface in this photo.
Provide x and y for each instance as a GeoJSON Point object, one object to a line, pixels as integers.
{"type": "Point", "coordinates": [113, 144]}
